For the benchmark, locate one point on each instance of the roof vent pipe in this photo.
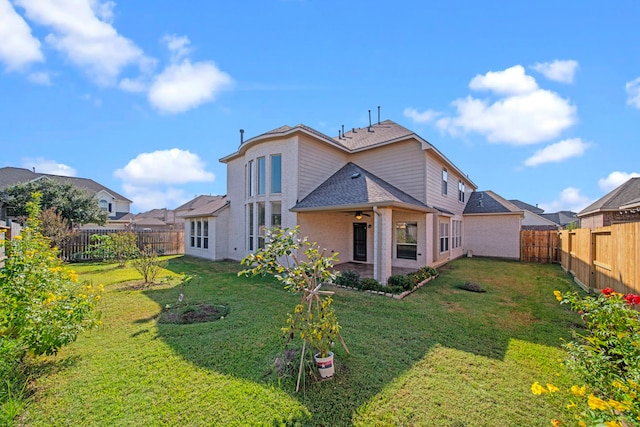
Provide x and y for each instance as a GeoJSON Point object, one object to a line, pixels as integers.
{"type": "Point", "coordinates": [343, 130]}
{"type": "Point", "coordinates": [378, 114]}
{"type": "Point", "coordinates": [353, 130]}
{"type": "Point", "coordinates": [241, 136]}
{"type": "Point", "coordinates": [339, 134]}
{"type": "Point", "coordinates": [369, 128]}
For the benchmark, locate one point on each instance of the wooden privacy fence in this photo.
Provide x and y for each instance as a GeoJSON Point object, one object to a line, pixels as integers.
{"type": "Point", "coordinates": [608, 257]}
{"type": "Point", "coordinates": [161, 242]}
{"type": "Point", "coordinates": [539, 246]}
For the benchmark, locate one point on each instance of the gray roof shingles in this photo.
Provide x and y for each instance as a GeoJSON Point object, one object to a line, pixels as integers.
{"type": "Point", "coordinates": [623, 195]}
{"type": "Point", "coordinates": [355, 186]}
{"type": "Point", "coordinates": [483, 202]}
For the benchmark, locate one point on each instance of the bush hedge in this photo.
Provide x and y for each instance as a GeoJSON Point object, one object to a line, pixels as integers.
{"type": "Point", "coordinates": [396, 284]}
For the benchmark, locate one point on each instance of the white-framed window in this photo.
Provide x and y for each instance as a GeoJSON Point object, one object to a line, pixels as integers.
{"type": "Point", "coordinates": [276, 214]}
{"type": "Point", "coordinates": [250, 225]}
{"type": "Point", "coordinates": [444, 237]}
{"type": "Point", "coordinates": [261, 224]}
{"type": "Point", "coordinates": [407, 240]}
{"type": "Point", "coordinates": [262, 175]}
{"type": "Point", "coordinates": [250, 175]}
{"type": "Point", "coordinates": [456, 234]}
{"type": "Point", "coordinates": [103, 204]}
{"type": "Point", "coordinates": [445, 177]}
{"type": "Point", "coordinates": [199, 234]}
{"type": "Point", "coordinates": [276, 173]}
{"type": "Point", "coordinates": [461, 191]}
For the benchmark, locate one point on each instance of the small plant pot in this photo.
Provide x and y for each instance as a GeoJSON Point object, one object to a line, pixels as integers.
{"type": "Point", "coordinates": [325, 365]}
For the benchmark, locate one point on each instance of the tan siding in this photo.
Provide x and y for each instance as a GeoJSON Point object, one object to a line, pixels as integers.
{"type": "Point", "coordinates": [435, 197]}
{"type": "Point", "coordinates": [492, 235]}
{"type": "Point", "coordinates": [316, 163]}
{"type": "Point", "coordinates": [401, 165]}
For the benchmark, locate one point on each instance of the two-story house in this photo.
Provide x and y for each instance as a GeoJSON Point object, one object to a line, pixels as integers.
{"type": "Point", "coordinates": [380, 195]}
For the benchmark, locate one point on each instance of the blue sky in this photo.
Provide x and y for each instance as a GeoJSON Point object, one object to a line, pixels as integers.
{"type": "Point", "coordinates": [537, 101]}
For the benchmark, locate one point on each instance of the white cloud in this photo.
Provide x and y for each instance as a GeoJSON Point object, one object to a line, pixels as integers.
{"type": "Point", "coordinates": [616, 179]}
{"type": "Point", "coordinates": [558, 152]}
{"type": "Point", "coordinates": [172, 166]}
{"type": "Point", "coordinates": [40, 78]}
{"type": "Point", "coordinates": [512, 81]}
{"type": "Point", "coordinates": [424, 117]}
{"type": "Point", "coordinates": [133, 85]}
{"type": "Point", "coordinates": [18, 47]}
{"type": "Point", "coordinates": [181, 87]}
{"type": "Point", "coordinates": [178, 46]}
{"type": "Point", "coordinates": [559, 71]}
{"type": "Point", "coordinates": [570, 200]}
{"type": "Point", "coordinates": [520, 119]}
{"type": "Point", "coordinates": [82, 31]}
{"type": "Point", "coordinates": [146, 198]}
{"type": "Point", "coordinates": [52, 167]}
{"type": "Point", "coordinates": [633, 92]}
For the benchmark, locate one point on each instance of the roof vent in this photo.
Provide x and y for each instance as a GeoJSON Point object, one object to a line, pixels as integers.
{"type": "Point", "coordinates": [355, 175]}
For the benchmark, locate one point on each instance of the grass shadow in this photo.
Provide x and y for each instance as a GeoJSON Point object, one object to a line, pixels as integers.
{"type": "Point", "coordinates": [386, 337]}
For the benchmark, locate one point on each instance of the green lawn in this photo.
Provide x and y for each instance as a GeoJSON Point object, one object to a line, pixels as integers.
{"type": "Point", "coordinates": [442, 356]}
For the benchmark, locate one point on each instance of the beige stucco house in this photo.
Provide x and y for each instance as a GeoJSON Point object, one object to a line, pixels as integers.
{"type": "Point", "coordinates": [380, 195]}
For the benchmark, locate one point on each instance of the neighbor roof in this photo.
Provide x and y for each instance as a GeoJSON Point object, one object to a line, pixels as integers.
{"type": "Point", "coordinates": [195, 203]}
{"type": "Point", "coordinates": [10, 176]}
{"type": "Point", "coordinates": [355, 187]}
{"type": "Point", "coordinates": [561, 218]}
{"type": "Point", "coordinates": [209, 209]}
{"type": "Point", "coordinates": [614, 200]}
{"type": "Point", "coordinates": [526, 206]}
{"type": "Point", "coordinates": [488, 202]}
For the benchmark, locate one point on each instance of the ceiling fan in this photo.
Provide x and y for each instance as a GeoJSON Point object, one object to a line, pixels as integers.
{"type": "Point", "coordinates": [358, 214]}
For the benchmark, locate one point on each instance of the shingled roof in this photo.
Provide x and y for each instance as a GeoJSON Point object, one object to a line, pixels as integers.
{"type": "Point", "coordinates": [210, 208]}
{"type": "Point", "coordinates": [625, 194]}
{"type": "Point", "coordinates": [10, 176]}
{"type": "Point", "coordinates": [353, 186]}
{"type": "Point", "coordinates": [488, 202]}
{"type": "Point", "coordinates": [526, 206]}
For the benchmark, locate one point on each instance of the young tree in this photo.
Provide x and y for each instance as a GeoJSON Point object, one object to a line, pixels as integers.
{"type": "Point", "coordinates": [75, 205]}
{"type": "Point", "coordinates": [55, 227]}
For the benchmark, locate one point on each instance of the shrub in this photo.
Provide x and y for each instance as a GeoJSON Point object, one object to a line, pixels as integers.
{"type": "Point", "coordinates": [348, 278]}
{"type": "Point", "coordinates": [148, 264]}
{"type": "Point", "coordinates": [370, 285]}
{"type": "Point", "coordinates": [606, 358]}
{"type": "Point", "coordinates": [400, 280]}
{"type": "Point", "coordinates": [395, 289]}
{"type": "Point", "coordinates": [117, 246]}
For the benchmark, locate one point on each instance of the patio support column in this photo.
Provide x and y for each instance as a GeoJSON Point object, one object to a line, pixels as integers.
{"type": "Point", "coordinates": [384, 234]}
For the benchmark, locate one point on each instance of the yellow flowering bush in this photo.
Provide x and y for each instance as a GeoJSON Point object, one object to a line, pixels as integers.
{"type": "Point", "coordinates": [42, 305]}
{"type": "Point", "coordinates": [606, 357]}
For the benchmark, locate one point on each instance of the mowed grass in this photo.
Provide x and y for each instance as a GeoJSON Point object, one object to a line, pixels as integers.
{"type": "Point", "coordinates": [440, 357]}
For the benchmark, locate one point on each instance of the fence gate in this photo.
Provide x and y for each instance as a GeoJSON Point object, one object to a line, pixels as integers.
{"type": "Point", "coordinates": [539, 246]}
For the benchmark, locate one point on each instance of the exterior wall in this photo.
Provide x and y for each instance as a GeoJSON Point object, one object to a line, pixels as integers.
{"type": "Point", "coordinates": [492, 235]}
{"type": "Point", "coordinates": [422, 244]}
{"type": "Point", "coordinates": [220, 239]}
{"type": "Point", "coordinates": [238, 197]}
{"type": "Point", "coordinates": [316, 162]}
{"type": "Point", "coordinates": [592, 221]}
{"type": "Point", "coordinates": [208, 253]}
{"type": "Point", "coordinates": [331, 231]}
{"type": "Point", "coordinates": [401, 165]}
{"type": "Point", "coordinates": [435, 197]}
{"type": "Point", "coordinates": [533, 219]}
{"type": "Point", "coordinates": [116, 204]}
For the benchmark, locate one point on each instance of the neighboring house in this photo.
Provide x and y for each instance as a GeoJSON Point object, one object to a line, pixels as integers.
{"type": "Point", "coordinates": [620, 205]}
{"type": "Point", "coordinates": [492, 226]}
{"type": "Point", "coordinates": [534, 217]}
{"type": "Point", "coordinates": [206, 232]}
{"type": "Point", "coordinates": [115, 204]}
{"type": "Point", "coordinates": [155, 220]}
{"type": "Point", "coordinates": [563, 218]}
{"type": "Point", "coordinates": [380, 195]}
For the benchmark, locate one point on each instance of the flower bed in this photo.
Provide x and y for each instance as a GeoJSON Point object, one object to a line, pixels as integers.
{"type": "Point", "coordinates": [398, 286]}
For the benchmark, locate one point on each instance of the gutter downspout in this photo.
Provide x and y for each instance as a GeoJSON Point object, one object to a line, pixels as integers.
{"type": "Point", "coordinates": [376, 244]}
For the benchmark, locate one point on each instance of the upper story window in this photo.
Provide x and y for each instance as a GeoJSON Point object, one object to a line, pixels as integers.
{"type": "Point", "coordinates": [103, 204]}
{"type": "Point", "coordinates": [276, 173]}
{"type": "Point", "coordinates": [261, 175]}
{"type": "Point", "coordinates": [445, 177]}
{"type": "Point", "coordinates": [461, 191]}
{"type": "Point", "coordinates": [250, 175]}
